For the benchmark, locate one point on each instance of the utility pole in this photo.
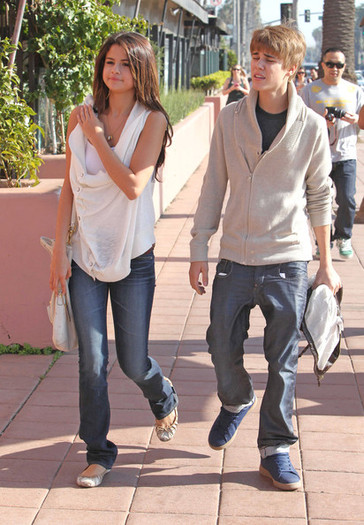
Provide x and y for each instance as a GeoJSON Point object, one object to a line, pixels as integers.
{"type": "Point", "coordinates": [295, 12]}
{"type": "Point", "coordinates": [238, 32]}
{"type": "Point", "coordinates": [242, 58]}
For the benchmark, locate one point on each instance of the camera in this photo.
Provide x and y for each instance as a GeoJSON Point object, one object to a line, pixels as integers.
{"type": "Point", "coordinates": [333, 112]}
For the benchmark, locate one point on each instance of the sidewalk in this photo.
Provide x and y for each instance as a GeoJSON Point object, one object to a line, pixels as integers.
{"type": "Point", "coordinates": [184, 481]}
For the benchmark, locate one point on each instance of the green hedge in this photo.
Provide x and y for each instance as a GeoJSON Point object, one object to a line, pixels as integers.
{"type": "Point", "coordinates": [179, 104]}
{"type": "Point", "coordinates": [210, 82]}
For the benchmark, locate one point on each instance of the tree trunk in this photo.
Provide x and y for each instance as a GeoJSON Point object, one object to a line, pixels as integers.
{"type": "Point", "coordinates": [338, 26]}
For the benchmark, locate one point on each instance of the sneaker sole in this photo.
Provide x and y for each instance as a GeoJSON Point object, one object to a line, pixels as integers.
{"type": "Point", "coordinates": [228, 443]}
{"type": "Point", "coordinates": [282, 486]}
{"type": "Point", "coordinates": [345, 257]}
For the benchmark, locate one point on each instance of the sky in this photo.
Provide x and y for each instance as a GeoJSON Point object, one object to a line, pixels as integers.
{"type": "Point", "coordinates": [270, 10]}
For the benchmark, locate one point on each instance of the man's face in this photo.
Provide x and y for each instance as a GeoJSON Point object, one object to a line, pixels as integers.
{"type": "Point", "coordinates": [268, 72]}
{"type": "Point", "coordinates": [333, 65]}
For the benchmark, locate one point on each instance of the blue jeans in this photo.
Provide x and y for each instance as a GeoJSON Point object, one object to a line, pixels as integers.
{"type": "Point", "coordinates": [280, 291]}
{"type": "Point", "coordinates": [343, 175]}
{"type": "Point", "coordinates": [131, 300]}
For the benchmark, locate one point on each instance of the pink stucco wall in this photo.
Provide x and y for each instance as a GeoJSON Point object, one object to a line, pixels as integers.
{"type": "Point", "coordinates": [25, 215]}
{"type": "Point", "coordinates": [219, 101]}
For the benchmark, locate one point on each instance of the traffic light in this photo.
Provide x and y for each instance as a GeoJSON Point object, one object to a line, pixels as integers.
{"type": "Point", "coordinates": [286, 12]}
{"type": "Point", "coordinates": [307, 15]}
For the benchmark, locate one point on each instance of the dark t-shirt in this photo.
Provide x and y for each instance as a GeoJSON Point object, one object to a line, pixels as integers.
{"type": "Point", "coordinates": [270, 125]}
{"type": "Point", "coordinates": [234, 95]}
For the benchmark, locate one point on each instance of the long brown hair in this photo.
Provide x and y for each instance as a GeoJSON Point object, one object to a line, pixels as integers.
{"type": "Point", "coordinates": [143, 68]}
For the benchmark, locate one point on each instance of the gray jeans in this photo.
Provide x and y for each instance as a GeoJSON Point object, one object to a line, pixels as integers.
{"type": "Point", "coordinates": [280, 292]}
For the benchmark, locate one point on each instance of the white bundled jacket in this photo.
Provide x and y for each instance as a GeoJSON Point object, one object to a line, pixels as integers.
{"type": "Point", "coordinates": [270, 194]}
{"type": "Point", "coordinates": [111, 229]}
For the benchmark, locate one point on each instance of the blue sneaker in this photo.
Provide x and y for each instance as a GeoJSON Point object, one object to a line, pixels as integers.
{"type": "Point", "coordinates": [225, 427]}
{"type": "Point", "coordinates": [280, 470]}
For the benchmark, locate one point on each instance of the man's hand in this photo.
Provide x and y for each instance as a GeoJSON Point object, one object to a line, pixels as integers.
{"type": "Point", "coordinates": [351, 118]}
{"type": "Point", "coordinates": [327, 275]}
{"type": "Point", "coordinates": [329, 123]}
{"type": "Point", "coordinates": [198, 268]}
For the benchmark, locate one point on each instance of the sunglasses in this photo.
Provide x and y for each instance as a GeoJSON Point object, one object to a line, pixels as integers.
{"type": "Point", "coordinates": [236, 69]}
{"type": "Point", "coordinates": [331, 65]}
{"type": "Point", "coordinates": [301, 73]}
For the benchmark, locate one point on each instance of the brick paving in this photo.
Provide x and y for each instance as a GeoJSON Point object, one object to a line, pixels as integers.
{"type": "Point", "coordinates": [184, 481]}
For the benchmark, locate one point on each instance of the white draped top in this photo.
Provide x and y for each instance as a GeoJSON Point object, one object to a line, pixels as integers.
{"type": "Point", "coordinates": [111, 229]}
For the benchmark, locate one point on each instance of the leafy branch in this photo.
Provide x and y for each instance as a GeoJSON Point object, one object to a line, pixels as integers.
{"type": "Point", "coordinates": [18, 154]}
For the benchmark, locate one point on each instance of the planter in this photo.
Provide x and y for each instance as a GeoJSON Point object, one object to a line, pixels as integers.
{"type": "Point", "coordinates": [26, 214]}
{"type": "Point", "coordinates": [219, 101]}
{"type": "Point", "coordinates": [190, 145]}
{"type": "Point", "coordinates": [53, 167]}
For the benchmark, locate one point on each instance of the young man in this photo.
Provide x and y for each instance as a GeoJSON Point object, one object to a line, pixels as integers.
{"type": "Point", "coordinates": [332, 90]}
{"type": "Point", "coordinates": [273, 152]}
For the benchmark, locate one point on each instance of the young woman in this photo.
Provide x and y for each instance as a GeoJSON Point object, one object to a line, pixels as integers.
{"type": "Point", "coordinates": [301, 80]}
{"type": "Point", "coordinates": [115, 144]}
{"type": "Point", "coordinates": [237, 86]}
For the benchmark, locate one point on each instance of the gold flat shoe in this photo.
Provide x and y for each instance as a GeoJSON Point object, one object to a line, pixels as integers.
{"type": "Point", "coordinates": [166, 433]}
{"type": "Point", "coordinates": [92, 476]}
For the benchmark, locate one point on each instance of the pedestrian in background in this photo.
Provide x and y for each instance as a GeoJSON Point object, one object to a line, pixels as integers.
{"type": "Point", "coordinates": [344, 117]}
{"type": "Point", "coordinates": [314, 74]}
{"type": "Point", "coordinates": [300, 81]}
{"type": "Point", "coordinates": [237, 86]}
{"type": "Point", "coordinates": [115, 144]}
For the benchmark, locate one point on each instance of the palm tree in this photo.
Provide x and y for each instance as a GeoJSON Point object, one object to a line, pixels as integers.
{"type": "Point", "coordinates": [338, 26]}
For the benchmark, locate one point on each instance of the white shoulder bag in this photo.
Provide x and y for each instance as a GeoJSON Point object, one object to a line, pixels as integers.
{"type": "Point", "coordinates": [59, 309]}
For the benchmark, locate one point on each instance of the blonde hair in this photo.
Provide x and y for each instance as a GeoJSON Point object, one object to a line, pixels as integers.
{"type": "Point", "coordinates": [284, 42]}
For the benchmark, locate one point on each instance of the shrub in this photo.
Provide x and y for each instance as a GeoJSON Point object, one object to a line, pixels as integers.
{"type": "Point", "coordinates": [210, 83]}
{"type": "Point", "coordinates": [67, 35]}
{"type": "Point", "coordinates": [179, 104]}
{"type": "Point", "coordinates": [232, 58]}
{"type": "Point", "coordinates": [18, 155]}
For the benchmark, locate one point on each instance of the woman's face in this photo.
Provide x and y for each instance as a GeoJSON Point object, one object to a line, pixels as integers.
{"type": "Point", "coordinates": [116, 73]}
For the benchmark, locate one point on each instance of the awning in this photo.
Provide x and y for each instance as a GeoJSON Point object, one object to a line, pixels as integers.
{"type": "Point", "coordinates": [194, 8]}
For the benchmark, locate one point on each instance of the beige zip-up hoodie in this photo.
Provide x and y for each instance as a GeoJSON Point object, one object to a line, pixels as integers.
{"type": "Point", "coordinates": [271, 194]}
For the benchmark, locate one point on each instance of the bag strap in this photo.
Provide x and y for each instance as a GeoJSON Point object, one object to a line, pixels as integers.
{"type": "Point", "coordinates": [72, 227]}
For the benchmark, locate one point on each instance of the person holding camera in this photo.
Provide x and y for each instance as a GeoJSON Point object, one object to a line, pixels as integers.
{"type": "Point", "coordinates": [236, 86]}
{"type": "Point", "coordinates": [341, 103]}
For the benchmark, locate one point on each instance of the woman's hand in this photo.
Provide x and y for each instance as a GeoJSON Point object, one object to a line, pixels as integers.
{"type": "Point", "coordinates": [60, 271]}
{"type": "Point", "coordinates": [90, 124]}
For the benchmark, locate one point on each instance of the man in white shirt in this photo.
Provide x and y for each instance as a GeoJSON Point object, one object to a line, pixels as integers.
{"type": "Point", "coordinates": [345, 101]}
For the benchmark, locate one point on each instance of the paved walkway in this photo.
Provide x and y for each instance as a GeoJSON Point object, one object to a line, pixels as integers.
{"type": "Point", "coordinates": [185, 482]}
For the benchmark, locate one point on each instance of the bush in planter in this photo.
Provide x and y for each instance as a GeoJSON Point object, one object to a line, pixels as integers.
{"type": "Point", "coordinates": [18, 155]}
{"type": "Point", "coordinates": [181, 103]}
{"type": "Point", "coordinates": [210, 83]}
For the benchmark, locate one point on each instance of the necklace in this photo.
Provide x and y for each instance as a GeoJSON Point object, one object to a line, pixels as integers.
{"type": "Point", "coordinates": [123, 119]}
{"type": "Point", "coordinates": [111, 136]}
